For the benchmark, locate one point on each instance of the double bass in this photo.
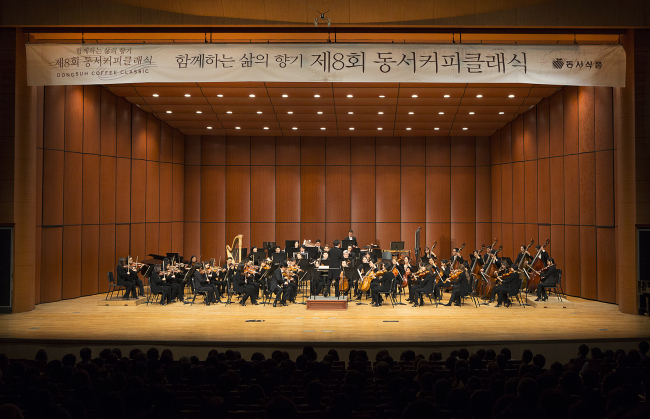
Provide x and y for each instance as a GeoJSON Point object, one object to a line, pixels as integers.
{"type": "Point", "coordinates": [475, 270]}
{"type": "Point", "coordinates": [536, 266]}
{"type": "Point", "coordinates": [456, 264]}
{"type": "Point", "coordinates": [489, 273]}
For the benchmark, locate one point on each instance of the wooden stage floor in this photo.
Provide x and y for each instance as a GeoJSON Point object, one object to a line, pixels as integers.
{"type": "Point", "coordinates": [81, 321]}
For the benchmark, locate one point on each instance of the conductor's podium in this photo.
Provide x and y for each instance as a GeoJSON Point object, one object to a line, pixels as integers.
{"type": "Point", "coordinates": [317, 302]}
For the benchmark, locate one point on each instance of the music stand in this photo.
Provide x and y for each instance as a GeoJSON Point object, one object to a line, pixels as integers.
{"type": "Point", "coordinates": [288, 244]}
{"type": "Point", "coordinates": [312, 252]}
{"type": "Point", "coordinates": [291, 251]}
{"type": "Point", "coordinates": [258, 256]}
{"type": "Point", "coordinates": [243, 254]}
{"type": "Point", "coordinates": [147, 275]}
{"type": "Point", "coordinates": [173, 256]}
{"type": "Point", "coordinates": [396, 245]}
{"type": "Point", "coordinates": [357, 251]}
{"type": "Point", "coordinates": [376, 254]}
{"type": "Point", "coordinates": [345, 243]}
{"type": "Point", "coordinates": [268, 245]}
{"type": "Point", "coordinates": [279, 257]}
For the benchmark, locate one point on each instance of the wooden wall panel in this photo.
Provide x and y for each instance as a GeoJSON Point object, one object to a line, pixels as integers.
{"type": "Point", "coordinates": [122, 192]}
{"type": "Point", "coordinates": [312, 151]}
{"type": "Point", "coordinates": [152, 239]}
{"type": "Point", "coordinates": [37, 266]}
{"type": "Point", "coordinates": [543, 191]}
{"type": "Point", "coordinates": [586, 114]}
{"type": "Point", "coordinates": [556, 124]}
{"type": "Point", "coordinates": [177, 238]}
{"type": "Point", "coordinates": [238, 151]}
{"type": "Point", "coordinates": [310, 231]}
{"type": "Point", "coordinates": [166, 192]}
{"type": "Point", "coordinates": [463, 233]}
{"type": "Point", "coordinates": [556, 168]}
{"type": "Point", "coordinates": [438, 194]}
{"type": "Point", "coordinates": [604, 121]}
{"type": "Point", "coordinates": [438, 151]}
{"type": "Point", "coordinates": [463, 151]}
{"type": "Point", "coordinates": [507, 239]}
{"type": "Point", "coordinates": [506, 192]}
{"type": "Point", "coordinates": [505, 139]}
{"type": "Point", "coordinates": [178, 191]}
{"type": "Point", "coordinates": [483, 149]}
{"type": "Point", "coordinates": [497, 233]}
{"type": "Point", "coordinates": [138, 133]}
{"type": "Point", "coordinates": [412, 197]}
{"type": "Point", "coordinates": [107, 257]}
{"type": "Point", "coordinates": [71, 272]}
{"type": "Point", "coordinates": [72, 188]}
{"type": "Point", "coordinates": [365, 232]}
{"type": "Point", "coordinates": [413, 151]}
{"type": "Point", "coordinates": [605, 188]}
{"type": "Point", "coordinates": [138, 241]}
{"type": "Point", "coordinates": [408, 236]}
{"type": "Point", "coordinates": [362, 194]}
{"type": "Point", "coordinates": [337, 151]}
{"type": "Point", "coordinates": [178, 147]}
{"type": "Point", "coordinates": [138, 191]}
{"type": "Point", "coordinates": [192, 238]}
{"type": "Point", "coordinates": [263, 194]}
{"type": "Point", "coordinates": [587, 167]}
{"type": "Point", "coordinates": [107, 193]}
{"type": "Point", "coordinates": [90, 259]}
{"type": "Point", "coordinates": [518, 194]}
{"type": "Point", "coordinates": [571, 190]}
{"type": "Point", "coordinates": [287, 193]}
{"type": "Point", "coordinates": [287, 151]}
{"type": "Point", "coordinates": [53, 117]}
{"type": "Point", "coordinates": [532, 232]}
{"type": "Point", "coordinates": [337, 194]}
{"type": "Point", "coordinates": [556, 248]}
{"type": "Point", "coordinates": [91, 119]}
{"type": "Point", "coordinates": [210, 150]}
{"type": "Point", "coordinates": [571, 271]}
{"type": "Point", "coordinates": [213, 241]}
{"type": "Point", "coordinates": [441, 233]}
{"type": "Point", "coordinates": [122, 241]}
{"type": "Point", "coordinates": [463, 195]}
{"type": "Point", "coordinates": [262, 232]}
{"type": "Point", "coordinates": [483, 194]}
{"type": "Point", "coordinates": [39, 194]}
{"type": "Point", "coordinates": [495, 148]}
{"type": "Point", "coordinates": [210, 205]}
{"type": "Point", "coordinates": [530, 191]}
{"type": "Point", "coordinates": [495, 177]}
{"type": "Point", "coordinates": [588, 266]}
{"type": "Point", "coordinates": [606, 264]}
{"type": "Point", "coordinates": [53, 163]}
{"type": "Point", "coordinates": [165, 238]}
{"type": "Point", "coordinates": [153, 138]}
{"type": "Point", "coordinates": [530, 135]}
{"type": "Point", "coordinates": [91, 189]}
{"type": "Point", "coordinates": [543, 127]}
{"type": "Point", "coordinates": [74, 118]}
{"type": "Point", "coordinates": [262, 151]}
{"type": "Point", "coordinates": [387, 150]}
{"type": "Point", "coordinates": [362, 151]}
{"type": "Point", "coordinates": [123, 128]}
{"type": "Point", "coordinates": [388, 194]}
{"type": "Point", "coordinates": [336, 231]}
{"type": "Point", "coordinates": [238, 193]}
{"type": "Point", "coordinates": [518, 238]}
{"type": "Point", "coordinates": [571, 117]}
{"type": "Point", "coordinates": [289, 231]}
{"type": "Point", "coordinates": [483, 235]}
{"type": "Point", "coordinates": [518, 138]}
{"type": "Point", "coordinates": [312, 193]}
{"type": "Point", "coordinates": [166, 143]}
{"type": "Point", "coordinates": [51, 264]}
{"type": "Point", "coordinates": [387, 232]}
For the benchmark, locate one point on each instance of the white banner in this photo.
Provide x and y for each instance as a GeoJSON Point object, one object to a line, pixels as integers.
{"type": "Point", "coordinates": [78, 64]}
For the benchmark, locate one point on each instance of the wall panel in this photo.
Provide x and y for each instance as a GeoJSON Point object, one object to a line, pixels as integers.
{"type": "Point", "coordinates": [365, 232]}
{"type": "Point", "coordinates": [71, 271]}
{"type": "Point", "coordinates": [262, 232]}
{"type": "Point", "coordinates": [483, 236]}
{"type": "Point", "coordinates": [495, 177]}
{"type": "Point", "coordinates": [290, 231]}
{"type": "Point", "coordinates": [312, 193]}
{"type": "Point", "coordinates": [543, 190]}
{"type": "Point", "coordinates": [312, 151]}
{"type": "Point", "coordinates": [91, 119]}
{"type": "Point", "coordinates": [362, 194]}
{"type": "Point", "coordinates": [605, 188]}
{"type": "Point", "coordinates": [91, 189]}
{"type": "Point", "coordinates": [388, 194]}
{"type": "Point", "coordinates": [337, 151]}
{"type": "Point", "coordinates": [530, 135]}
{"type": "Point", "coordinates": [262, 151]}
{"type": "Point", "coordinates": [152, 240]}
{"type": "Point", "coordinates": [440, 233]}
{"type": "Point", "coordinates": [463, 151]}
{"type": "Point", "coordinates": [213, 241]}
{"type": "Point", "coordinates": [483, 194]}
{"type": "Point", "coordinates": [166, 143]}
{"type": "Point", "coordinates": [588, 266]}
{"type": "Point", "coordinates": [167, 195]}
{"type": "Point", "coordinates": [412, 197]}
{"type": "Point", "coordinates": [53, 117]}
{"type": "Point", "coordinates": [72, 189]}
{"type": "Point", "coordinates": [207, 150]}
{"type": "Point", "coordinates": [362, 151]}
{"type": "Point", "coordinates": [178, 191]}
{"type": "Point", "coordinates": [165, 238]}
{"type": "Point", "coordinates": [438, 151]}
{"type": "Point", "coordinates": [90, 259]}
{"type": "Point", "coordinates": [571, 271]}
{"type": "Point", "coordinates": [587, 167]}
{"type": "Point", "coordinates": [138, 191]}
{"type": "Point", "coordinates": [603, 120]}
{"type": "Point", "coordinates": [153, 138]}
{"type": "Point", "coordinates": [530, 191]}
{"type": "Point", "coordinates": [505, 139]}
{"type": "Point", "coordinates": [138, 133]}
{"type": "Point", "coordinates": [518, 139]}
{"type": "Point", "coordinates": [138, 241]}
{"type": "Point", "coordinates": [122, 241]}
{"type": "Point", "coordinates": [463, 233]}
{"type": "Point", "coordinates": [571, 190]}
{"type": "Point", "coordinates": [336, 231]}
{"type": "Point", "coordinates": [107, 256]}
{"type": "Point", "coordinates": [238, 151]}
{"type": "Point", "coordinates": [262, 194]}
{"type": "Point", "coordinates": [408, 236]}
{"type": "Point", "coordinates": [413, 151]}
{"type": "Point", "coordinates": [192, 232]}
{"type": "Point", "coordinates": [556, 168]}
{"type": "Point", "coordinates": [518, 192]}
{"type": "Point", "coordinates": [386, 233]}
{"type": "Point", "coordinates": [571, 120]}
{"type": "Point", "coordinates": [107, 192]}
{"type": "Point", "coordinates": [543, 127]}
{"type": "Point", "coordinates": [506, 192]}
{"type": "Point", "coordinates": [51, 264]}
{"type": "Point", "coordinates": [310, 231]}
{"type": "Point", "coordinates": [238, 193]}
{"type": "Point", "coordinates": [209, 206]}
{"type": "Point", "coordinates": [178, 147]}
{"type": "Point", "coordinates": [438, 194]}
{"type": "Point", "coordinates": [387, 151]}
{"type": "Point", "coordinates": [483, 149]}
{"type": "Point", "coordinates": [463, 195]}
{"type": "Point", "coordinates": [556, 124]}
{"type": "Point", "coordinates": [337, 194]}
{"type": "Point", "coordinates": [177, 238]}
{"type": "Point", "coordinates": [123, 128]}
{"type": "Point", "coordinates": [586, 125]}
{"type": "Point", "coordinates": [287, 193]}
{"type": "Point", "coordinates": [74, 118]}
{"type": "Point", "coordinates": [287, 151]}
{"type": "Point", "coordinates": [606, 264]}
{"type": "Point", "coordinates": [122, 192]}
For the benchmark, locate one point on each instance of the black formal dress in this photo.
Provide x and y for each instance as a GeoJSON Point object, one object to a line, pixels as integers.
{"type": "Point", "coordinates": [460, 288]}
{"type": "Point", "coordinates": [124, 279]}
{"type": "Point", "coordinates": [138, 284]}
{"type": "Point", "coordinates": [549, 278]}
{"type": "Point", "coordinates": [382, 285]}
{"type": "Point", "coordinates": [158, 286]}
{"type": "Point", "coordinates": [352, 241]}
{"type": "Point", "coordinates": [201, 284]}
{"type": "Point", "coordinates": [425, 287]}
{"type": "Point", "coordinates": [277, 286]}
{"type": "Point", "coordinates": [510, 287]}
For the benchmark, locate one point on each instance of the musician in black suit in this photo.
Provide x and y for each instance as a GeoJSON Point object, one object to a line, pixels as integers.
{"type": "Point", "coordinates": [201, 284]}
{"type": "Point", "coordinates": [352, 239]}
{"type": "Point", "coordinates": [501, 273]}
{"type": "Point", "coordinates": [382, 285]}
{"type": "Point", "coordinates": [543, 255]}
{"type": "Point", "coordinates": [456, 257]}
{"type": "Point", "coordinates": [510, 287]}
{"type": "Point", "coordinates": [424, 287]}
{"type": "Point", "coordinates": [133, 276]}
{"type": "Point", "coordinates": [549, 278]}
{"type": "Point", "coordinates": [278, 284]}
{"type": "Point", "coordinates": [158, 285]}
{"type": "Point", "coordinates": [336, 257]}
{"type": "Point", "coordinates": [487, 254]}
{"type": "Point", "coordinates": [460, 287]}
{"type": "Point", "coordinates": [123, 278]}
{"type": "Point", "coordinates": [440, 275]}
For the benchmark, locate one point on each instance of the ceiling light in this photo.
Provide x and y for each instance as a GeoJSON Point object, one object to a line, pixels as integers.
{"type": "Point", "coordinates": [187, 95]}
{"type": "Point", "coordinates": [228, 111]}
{"type": "Point", "coordinates": [285, 95]}
{"type": "Point", "coordinates": [155, 95]}
{"type": "Point", "coordinates": [471, 113]}
{"type": "Point", "coordinates": [316, 95]}
{"type": "Point", "coordinates": [479, 95]}
{"type": "Point", "coordinates": [290, 112]}
{"type": "Point", "coordinates": [266, 127]}
{"type": "Point", "coordinates": [294, 128]}
{"type": "Point", "coordinates": [411, 113]}
{"type": "Point", "coordinates": [436, 129]}
{"type": "Point", "coordinates": [259, 112]}
{"type": "Point", "coordinates": [169, 111]}
{"type": "Point", "coordinates": [199, 112]}
{"type": "Point", "coordinates": [320, 112]}
{"type": "Point", "coordinates": [209, 127]}
{"type": "Point", "coordinates": [351, 128]}
{"type": "Point", "coordinates": [350, 113]}
{"type": "Point", "coordinates": [464, 129]}
{"type": "Point", "coordinates": [408, 129]}
{"type": "Point", "coordinates": [219, 95]}
{"type": "Point", "coordinates": [441, 113]}
{"type": "Point", "coordinates": [501, 113]}
{"type": "Point", "coordinates": [323, 128]}
{"type": "Point", "coordinates": [380, 113]}
{"type": "Point", "coordinates": [414, 95]}
{"type": "Point", "coordinates": [382, 96]}
{"type": "Point", "coordinates": [447, 95]}
{"type": "Point", "coordinates": [511, 95]}
{"type": "Point", "coordinates": [237, 127]}
{"type": "Point", "coordinates": [350, 96]}
{"type": "Point", "coordinates": [379, 129]}
{"type": "Point", "coordinates": [251, 95]}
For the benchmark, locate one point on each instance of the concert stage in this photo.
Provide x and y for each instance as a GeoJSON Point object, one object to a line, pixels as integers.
{"type": "Point", "coordinates": [67, 325]}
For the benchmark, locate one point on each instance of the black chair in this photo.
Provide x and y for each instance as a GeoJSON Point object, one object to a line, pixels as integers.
{"type": "Point", "coordinates": [196, 291]}
{"type": "Point", "coordinates": [473, 294]}
{"type": "Point", "coordinates": [557, 287]}
{"type": "Point", "coordinates": [391, 293]}
{"type": "Point", "coordinates": [113, 287]}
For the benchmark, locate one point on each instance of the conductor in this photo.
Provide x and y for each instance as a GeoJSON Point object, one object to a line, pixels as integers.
{"type": "Point", "coordinates": [336, 256]}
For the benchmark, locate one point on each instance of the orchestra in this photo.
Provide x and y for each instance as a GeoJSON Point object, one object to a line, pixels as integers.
{"type": "Point", "coordinates": [352, 272]}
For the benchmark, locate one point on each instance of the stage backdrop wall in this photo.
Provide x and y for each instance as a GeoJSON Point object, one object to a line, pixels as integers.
{"type": "Point", "coordinates": [553, 178]}
{"type": "Point", "coordinates": [110, 184]}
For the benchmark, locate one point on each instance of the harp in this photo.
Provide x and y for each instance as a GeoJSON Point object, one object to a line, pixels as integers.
{"type": "Point", "coordinates": [233, 253]}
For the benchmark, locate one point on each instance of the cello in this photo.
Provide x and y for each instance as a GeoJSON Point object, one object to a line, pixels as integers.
{"type": "Point", "coordinates": [489, 274]}
{"type": "Point", "coordinates": [475, 270]}
{"type": "Point", "coordinates": [343, 280]}
{"type": "Point", "coordinates": [536, 266]}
